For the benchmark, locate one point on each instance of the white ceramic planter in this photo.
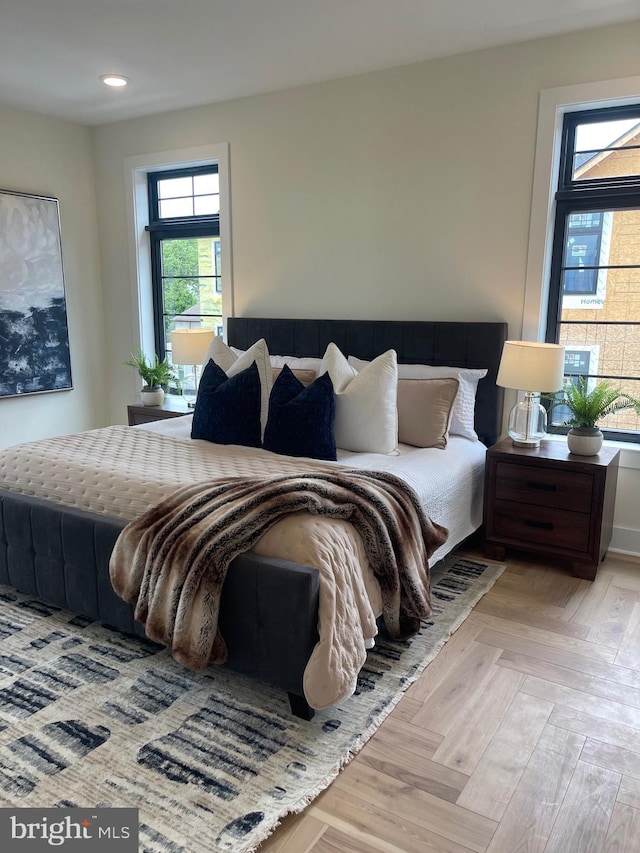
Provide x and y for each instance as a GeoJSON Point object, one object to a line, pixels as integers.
{"type": "Point", "coordinates": [152, 396]}
{"type": "Point", "coordinates": [584, 441]}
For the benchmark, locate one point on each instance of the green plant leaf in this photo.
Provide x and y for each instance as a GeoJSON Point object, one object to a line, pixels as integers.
{"type": "Point", "coordinates": [589, 407]}
{"type": "Point", "coordinates": [154, 373]}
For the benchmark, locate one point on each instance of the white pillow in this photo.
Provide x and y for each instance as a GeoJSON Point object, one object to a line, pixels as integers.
{"type": "Point", "coordinates": [463, 414]}
{"type": "Point", "coordinates": [366, 401]}
{"type": "Point", "coordinates": [294, 362]}
{"type": "Point", "coordinates": [233, 363]}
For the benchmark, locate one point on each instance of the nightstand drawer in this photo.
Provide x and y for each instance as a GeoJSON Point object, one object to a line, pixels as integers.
{"type": "Point", "coordinates": [544, 487]}
{"type": "Point", "coordinates": [541, 525]}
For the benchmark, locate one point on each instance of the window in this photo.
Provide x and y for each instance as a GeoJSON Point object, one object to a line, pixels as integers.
{"type": "Point", "coordinates": [186, 262]}
{"type": "Point", "coordinates": [594, 296]}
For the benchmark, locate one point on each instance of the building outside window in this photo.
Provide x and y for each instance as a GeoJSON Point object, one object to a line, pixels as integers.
{"type": "Point", "coordinates": [594, 298]}
{"type": "Point", "coordinates": [184, 230]}
{"type": "Point", "coordinates": [584, 256]}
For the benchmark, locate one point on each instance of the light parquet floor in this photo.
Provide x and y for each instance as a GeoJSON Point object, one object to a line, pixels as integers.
{"type": "Point", "coordinates": [522, 736]}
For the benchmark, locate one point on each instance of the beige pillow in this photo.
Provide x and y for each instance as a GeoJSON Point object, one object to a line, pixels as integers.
{"type": "Point", "coordinates": [463, 417]}
{"type": "Point", "coordinates": [424, 411]}
{"type": "Point", "coordinates": [305, 376]}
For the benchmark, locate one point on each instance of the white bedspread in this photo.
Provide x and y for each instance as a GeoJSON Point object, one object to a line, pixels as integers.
{"type": "Point", "coordinates": [121, 472]}
{"type": "Point", "coordinates": [449, 482]}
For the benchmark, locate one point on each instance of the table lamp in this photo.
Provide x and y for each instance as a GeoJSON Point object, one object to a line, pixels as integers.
{"type": "Point", "coordinates": [189, 346]}
{"type": "Point", "coordinates": [532, 368]}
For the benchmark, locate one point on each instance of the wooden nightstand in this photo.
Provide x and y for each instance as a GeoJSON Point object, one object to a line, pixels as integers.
{"type": "Point", "coordinates": [173, 407]}
{"type": "Point", "coordinates": [549, 501]}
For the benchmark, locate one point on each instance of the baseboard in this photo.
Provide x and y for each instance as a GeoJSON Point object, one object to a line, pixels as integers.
{"type": "Point", "coordinates": [625, 541]}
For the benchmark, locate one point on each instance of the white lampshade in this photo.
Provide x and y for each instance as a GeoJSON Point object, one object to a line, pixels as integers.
{"type": "Point", "coordinates": [188, 346]}
{"type": "Point", "coordinates": [529, 366]}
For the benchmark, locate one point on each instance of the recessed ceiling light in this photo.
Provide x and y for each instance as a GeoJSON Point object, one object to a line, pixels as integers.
{"type": "Point", "coordinates": [115, 80]}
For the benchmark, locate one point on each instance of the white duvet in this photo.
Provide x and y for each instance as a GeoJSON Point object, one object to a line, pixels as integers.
{"type": "Point", "coordinates": [121, 472]}
{"type": "Point", "coordinates": [449, 482]}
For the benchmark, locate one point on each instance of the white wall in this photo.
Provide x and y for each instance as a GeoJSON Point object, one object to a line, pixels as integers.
{"type": "Point", "coordinates": [48, 157]}
{"type": "Point", "coordinates": [402, 193]}
{"type": "Point", "coordinates": [626, 520]}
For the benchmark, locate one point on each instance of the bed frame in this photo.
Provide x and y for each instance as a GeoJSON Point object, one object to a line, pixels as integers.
{"type": "Point", "coordinates": [61, 555]}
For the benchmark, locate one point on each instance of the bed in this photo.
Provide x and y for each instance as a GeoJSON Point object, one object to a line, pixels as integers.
{"type": "Point", "coordinates": [61, 554]}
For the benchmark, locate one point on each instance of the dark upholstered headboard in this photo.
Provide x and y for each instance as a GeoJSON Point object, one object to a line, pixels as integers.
{"type": "Point", "coordinates": [416, 342]}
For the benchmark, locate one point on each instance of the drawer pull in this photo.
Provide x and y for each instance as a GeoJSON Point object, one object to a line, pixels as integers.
{"type": "Point", "coordinates": [542, 525]}
{"type": "Point", "coordinates": [542, 487]}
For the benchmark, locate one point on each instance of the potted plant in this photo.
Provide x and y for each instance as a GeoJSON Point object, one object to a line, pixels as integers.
{"type": "Point", "coordinates": [155, 374]}
{"type": "Point", "coordinates": [587, 407]}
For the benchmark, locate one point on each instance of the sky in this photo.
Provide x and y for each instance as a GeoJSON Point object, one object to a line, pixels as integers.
{"type": "Point", "coordinates": [589, 136]}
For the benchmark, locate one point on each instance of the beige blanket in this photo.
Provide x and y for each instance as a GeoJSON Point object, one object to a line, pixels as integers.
{"type": "Point", "coordinates": [171, 562]}
{"type": "Point", "coordinates": [122, 472]}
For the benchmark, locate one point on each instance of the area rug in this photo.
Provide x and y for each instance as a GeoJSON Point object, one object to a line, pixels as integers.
{"type": "Point", "coordinates": [212, 760]}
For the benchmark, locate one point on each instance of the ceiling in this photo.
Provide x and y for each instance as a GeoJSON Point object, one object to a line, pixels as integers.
{"type": "Point", "coordinates": [180, 53]}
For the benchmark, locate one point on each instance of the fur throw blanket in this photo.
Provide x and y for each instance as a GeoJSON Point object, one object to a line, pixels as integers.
{"type": "Point", "coordinates": [172, 561]}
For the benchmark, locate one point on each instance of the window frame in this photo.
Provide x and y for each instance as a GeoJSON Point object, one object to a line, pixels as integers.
{"type": "Point", "coordinates": [616, 185]}
{"type": "Point", "coordinates": [576, 196]}
{"type": "Point", "coordinates": [137, 328]}
{"type": "Point", "coordinates": [173, 228]}
{"type": "Point", "coordinates": [154, 178]}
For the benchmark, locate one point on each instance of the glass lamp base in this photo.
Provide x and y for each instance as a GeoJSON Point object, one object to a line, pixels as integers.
{"type": "Point", "coordinates": [190, 398]}
{"type": "Point", "coordinates": [527, 422]}
{"type": "Point", "coordinates": [533, 442]}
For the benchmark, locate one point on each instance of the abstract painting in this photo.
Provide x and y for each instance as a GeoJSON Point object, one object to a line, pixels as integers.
{"type": "Point", "coordinates": [34, 336]}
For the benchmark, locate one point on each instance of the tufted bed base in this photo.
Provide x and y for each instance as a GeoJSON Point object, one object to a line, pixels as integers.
{"type": "Point", "coordinates": [61, 555]}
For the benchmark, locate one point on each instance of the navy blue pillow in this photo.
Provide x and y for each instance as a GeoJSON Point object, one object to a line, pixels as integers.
{"type": "Point", "coordinates": [301, 419]}
{"type": "Point", "coordinates": [227, 408]}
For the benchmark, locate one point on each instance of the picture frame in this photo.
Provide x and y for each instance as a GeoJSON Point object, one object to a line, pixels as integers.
{"type": "Point", "coordinates": [34, 333]}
